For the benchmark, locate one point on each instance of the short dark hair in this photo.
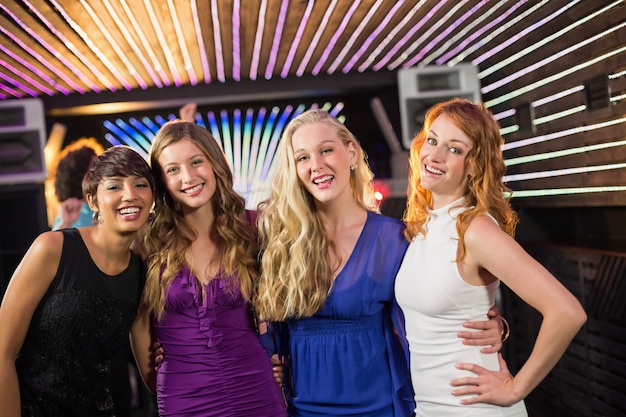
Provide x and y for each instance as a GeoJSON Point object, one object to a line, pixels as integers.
{"type": "Point", "coordinates": [70, 171]}
{"type": "Point", "coordinates": [118, 161]}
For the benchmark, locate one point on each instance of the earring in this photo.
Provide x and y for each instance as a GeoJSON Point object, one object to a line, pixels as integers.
{"type": "Point", "coordinates": [165, 200]}
{"type": "Point", "coordinates": [96, 217]}
{"type": "Point", "coordinates": [353, 167]}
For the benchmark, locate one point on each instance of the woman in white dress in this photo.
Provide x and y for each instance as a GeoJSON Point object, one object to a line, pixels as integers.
{"type": "Point", "coordinates": [460, 226]}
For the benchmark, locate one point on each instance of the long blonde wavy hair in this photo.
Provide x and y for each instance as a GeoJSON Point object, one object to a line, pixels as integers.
{"type": "Point", "coordinates": [296, 274]}
{"type": "Point", "coordinates": [170, 235]}
{"type": "Point", "coordinates": [485, 192]}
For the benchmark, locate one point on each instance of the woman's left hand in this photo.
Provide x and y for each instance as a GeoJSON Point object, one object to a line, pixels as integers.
{"type": "Point", "coordinates": [277, 369]}
{"type": "Point", "coordinates": [490, 335]}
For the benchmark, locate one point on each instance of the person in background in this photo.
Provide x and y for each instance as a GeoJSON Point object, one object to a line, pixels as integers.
{"type": "Point", "coordinates": [328, 265]}
{"type": "Point", "coordinates": [72, 300]}
{"type": "Point", "coordinates": [201, 249]}
{"type": "Point", "coordinates": [72, 166]}
{"type": "Point", "coordinates": [461, 227]}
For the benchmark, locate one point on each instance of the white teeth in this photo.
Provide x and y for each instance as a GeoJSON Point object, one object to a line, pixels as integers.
{"type": "Point", "coordinates": [323, 179]}
{"type": "Point", "coordinates": [193, 189]}
{"type": "Point", "coordinates": [129, 210]}
{"type": "Point", "coordinates": [433, 170]}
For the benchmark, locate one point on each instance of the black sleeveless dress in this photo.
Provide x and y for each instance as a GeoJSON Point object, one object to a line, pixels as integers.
{"type": "Point", "coordinates": [81, 323]}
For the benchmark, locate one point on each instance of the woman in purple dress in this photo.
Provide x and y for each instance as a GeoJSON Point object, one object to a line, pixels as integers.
{"type": "Point", "coordinates": [201, 271]}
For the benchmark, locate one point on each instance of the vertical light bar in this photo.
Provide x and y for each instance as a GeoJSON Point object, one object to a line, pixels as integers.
{"type": "Point", "coordinates": [316, 39]}
{"type": "Point", "coordinates": [280, 23]}
{"type": "Point", "coordinates": [182, 43]}
{"type": "Point", "coordinates": [219, 56]}
{"type": "Point", "coordinates": [206, 73]}
{"type": "Point", "coordinates": [169, 57]}
{"type": "Point", "coordinates": [333, 40]}
{"type": "Point", "coordinates": [386, 41]}
{"type": "Point", "coordinates": [296, 40]}
{"type": "Point", "coordinates": [258, 41]}
{"type": "Point", "coordinates": [236, 40]}
{"type": "Point", "coordinates": [239, 130]}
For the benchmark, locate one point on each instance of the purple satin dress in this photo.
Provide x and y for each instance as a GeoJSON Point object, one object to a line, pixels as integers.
{"type": "Point", "coordinates": [214, 364]}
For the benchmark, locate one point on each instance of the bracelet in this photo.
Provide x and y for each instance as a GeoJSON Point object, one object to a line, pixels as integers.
{"type": "Point", "coordinates": [506, 331]}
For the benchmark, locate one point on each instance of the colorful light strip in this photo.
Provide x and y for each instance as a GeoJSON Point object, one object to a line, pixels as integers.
{"type": "Point", "coordinates": [206, 73]}
{"type": "Point", "coordinates": [567, 191]}
{"type": "Point", "coordinates": [316, 38]}
{"type": "Point", "coordinates": [26, 77]}
{"type": "Point", "coordinates": [167, 52]}
{"type": "Point", "coordinates": [562, 153]}
{"type": "Point", "coordinates": [182, 44]}
{"type": "Point", "coordinates": [296, 40]}
{"type": "Point", "coordinates": [237, 41]}
{"type": "Point", "coordinates": [560, 172]}
{"type": "Point", "coordinates": [258, 41]}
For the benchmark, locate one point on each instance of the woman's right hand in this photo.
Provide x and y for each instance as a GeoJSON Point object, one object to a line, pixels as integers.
{"type": "Point", "coordinates": [157, 354]}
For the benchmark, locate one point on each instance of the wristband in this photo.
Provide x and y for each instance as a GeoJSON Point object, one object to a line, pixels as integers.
{"type": "Point", "coordinates": [506, 331]}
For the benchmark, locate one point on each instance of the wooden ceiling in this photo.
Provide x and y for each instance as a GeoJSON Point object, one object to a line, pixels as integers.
{"type": "Point", "coordinates": [79, 51]}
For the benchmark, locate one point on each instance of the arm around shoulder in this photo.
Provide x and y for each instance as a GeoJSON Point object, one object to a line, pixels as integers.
{"type": "Point", "coordinates": [141, 341]}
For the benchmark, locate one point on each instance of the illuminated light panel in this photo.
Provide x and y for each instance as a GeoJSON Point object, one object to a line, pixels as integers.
{"type": "Point", "coordinates": [206, 73]}
{"type": "Point", "coordinates": [615, 99]}
{"type": "Point", "coordinates": [21, 86]}
{"type": "Point", "coordinates": [249, 145]}
{"type": "Point", "coordinates": [333, 40]}
{"type": "Point", "coordinates": [219, 53]}
{"type": "Point", "coordinates": [169, 58]}
{"type": "Point", "coordinates": [441, 34]}
{"type": "Point", "coordinates": [560, 172]}
{"type": "Point", "coordinates": [617, 75]}
{"type": "Point", "coordinates": [504, 114]}
{"type": "Point", "coordinates": [182, 44]}
{"type": "Point", "coordinates": [296, 40]}
{"type": "Point", "coordinates": [131, 41]}
{"type": "Point", "coordinates": [564, 152]}
{"type": "Point", "coordinates": [400, 44]}
{"type": "Point", "coordinates": [383, 44]}
{"type": "Point", "coordinates": [558, 115]}
{"type": "Point", "coordinates": [557, 96]}
{"type": "Point", "coordinates": [553, 78]}
{"type": "Point", "coordinates": [280, 24]}
{"type": "Point", "coordinates": [14, 70]}
{"type": "Point", "coordinates": [508, 130]}
{"type": "Point", "coordinates": [470, 36]}
{"type": "Point", "coordinates": [501, 64]}
{"type": "Point", "coordinates": [9, 90]}
{"type": "Point", "coordinates": [353, 37]}
{"type": "Point", "coordinates": [315, 40]}
{"type": "Point", "coordinates": [44, 61]}
{"type": "Point", "coordinates": [39, 73]}
{"type": "Point", "coordinates": [548, 60]}
{"type": "Point", "coordinates": [565, 191]}
{"type": "Point", "coordinates": [258, 41]}
{"type": "Point", "coordinates": [237, 42]}
{"type": "Point", "coordinates": [563, 133]}
{"type": "Point", "coordinates": [156, 65]}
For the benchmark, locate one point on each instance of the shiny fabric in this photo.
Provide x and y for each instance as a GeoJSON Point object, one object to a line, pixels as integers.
{"type": "Point", "coordinates": [436, 302]}
{"type": "Point", "coordinates": [81, 323]}
{"type": "Point", "coordinates": [214, 364]}
{"type": "Point", "coordinates": [347, 360]}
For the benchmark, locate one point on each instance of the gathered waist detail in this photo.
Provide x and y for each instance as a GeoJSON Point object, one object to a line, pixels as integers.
{"type": "Point", "coordinates": [322, 325]}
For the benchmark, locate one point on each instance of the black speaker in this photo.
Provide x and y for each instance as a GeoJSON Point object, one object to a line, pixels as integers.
{"type": "Point", "coordinates": [22, 141]}
{"type": "Point", "coordinates": [23, 217]}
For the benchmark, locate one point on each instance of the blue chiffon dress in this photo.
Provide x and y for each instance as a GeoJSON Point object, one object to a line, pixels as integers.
{"type": "Point", "coordinates": [347, 359]}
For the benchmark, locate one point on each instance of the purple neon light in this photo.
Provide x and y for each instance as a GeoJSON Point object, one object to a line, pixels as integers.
{"type": "Point", "coordinates": [187, 64]}
{"type": "Point", "coordinates": [355, 34]}
{"type": "Point", "coordinates": [333, 40]}
{"type": "Point", "coordinates": [169, 58]}
{"type": "Point", "coordinates": [156, 65]}
{"type": "Point", "coordinates": [478, 34]}
{"type": "Point", "coordinates": [315, 40]}
{"type": "Point", "coordinates": [280, 23]}
{"type": "Point", "coordinates": [39, 73]}
{"type": "Point", "coordinates": [206, 72]}
{"type": "Point", "coordinates": [32, 81]}
{"type": "Point", "coordinates": [29, 91]}
{"type": "Point", "coordinates": [381, 63]}
{"type": "Point", "coordinates": [258, 41]}
{"type": "Point", "coordinates": [440, 37]}
{"type": "Point", "coordinates": [236, 40]}
{"type": "Point", "coordinates": [296, 40]}
{"type": "Point", "coordinates": [77, 28]}
{"type": "Point", "coordinates": [219, 56]}
{"type": "Point", "coordinates": [383, 44]}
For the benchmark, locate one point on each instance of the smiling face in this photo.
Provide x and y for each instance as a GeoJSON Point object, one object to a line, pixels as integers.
{"type": "Point", "coordinates": [187, 174]}
{"type": "Point", "coordinates": [323, 161]}
{"type": "Point", "coordinates": [444, 168]}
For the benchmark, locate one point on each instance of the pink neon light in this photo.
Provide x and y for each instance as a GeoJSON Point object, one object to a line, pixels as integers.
{"type": "Point", "coordinates": [296, 41]}
{"type": "Point", "coordinates": [169, 58]}
{"type": "Point", "coordinates": [333, 40]}
{"type": "Point", "coordinates": [442, 35]}
{"type": "Point", "coordinates": [408, 36]}
{"type": "Point", "coordinates": [201, 47]}
{"type": "Point", "coordinates": [187, 64]}
{"type": "Point", "coordinates": [219, 55]}
{"type": "Point", "coordinates": [236, 41]}
{"type": "Point", "coordinates": [271, 62]}
{"type": "Point", "coordinates": [315, 40]}
{"type": "Point", "coordinates": [20, 85]}
{"type": "Point", "coordinates": [258, 40]}
{"type": "Point", "coordinates": [32, 81]}
{"type": "Point", "coordinates": [41, 75]}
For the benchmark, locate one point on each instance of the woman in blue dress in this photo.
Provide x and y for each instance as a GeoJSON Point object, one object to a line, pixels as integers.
{"type": "Point", "coordinates": [328, 267]}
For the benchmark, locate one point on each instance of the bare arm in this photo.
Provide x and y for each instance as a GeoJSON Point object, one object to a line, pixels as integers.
{"type": "Point", "coordinates": [29, 283]}
{"type": "Point", "coordinates": [563, 316]}
{"type": "Point", "coordinates": [141, 341]}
